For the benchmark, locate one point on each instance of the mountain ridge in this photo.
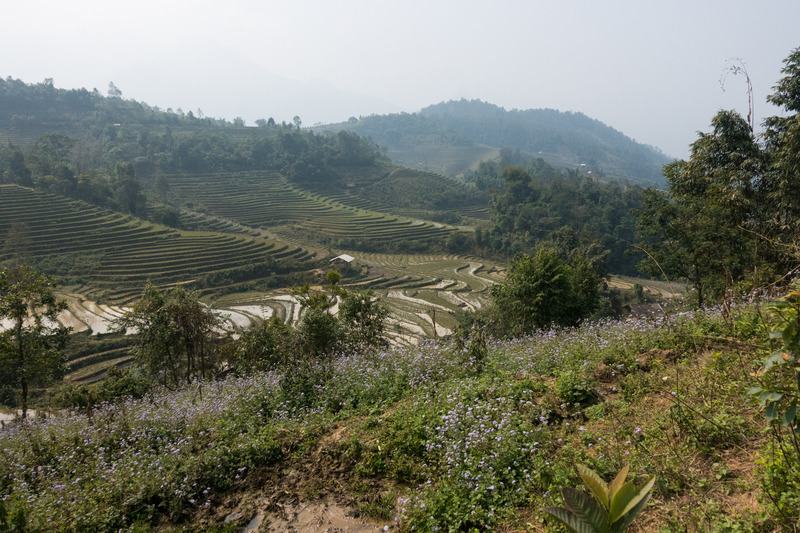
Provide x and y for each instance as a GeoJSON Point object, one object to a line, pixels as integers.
{"type": "Point", "coordinates": [474, 131]}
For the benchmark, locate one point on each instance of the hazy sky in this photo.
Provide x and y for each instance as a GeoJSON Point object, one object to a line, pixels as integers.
{"type": "Point", "coordinates": [650, 69]}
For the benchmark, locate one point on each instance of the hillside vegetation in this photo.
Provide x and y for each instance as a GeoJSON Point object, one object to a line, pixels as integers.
{"type": "Point", "coordinates": [440, 436]}
{"type": "Point", "coordinates": [453, 137]}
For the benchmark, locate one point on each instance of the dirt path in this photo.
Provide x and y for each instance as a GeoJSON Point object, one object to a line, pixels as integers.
{"type": "Point", "coordinates": [310, 518]}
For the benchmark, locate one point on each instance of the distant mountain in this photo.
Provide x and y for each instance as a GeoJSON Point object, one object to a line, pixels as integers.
{"type": "Point", "coordinates": [453, 137]}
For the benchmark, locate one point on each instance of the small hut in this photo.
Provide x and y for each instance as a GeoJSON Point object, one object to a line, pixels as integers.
{"type": "Point", "coordinates": [343, 262]}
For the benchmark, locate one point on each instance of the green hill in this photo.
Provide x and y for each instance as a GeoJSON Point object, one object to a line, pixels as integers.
{"type": "Point", "coordinates": [268, 200]}
{"type": "Point", "coordinates": [453, 137]}
{"type": "Point", "coordinates": [330, 189]}
{"type": "Point", "coordinates": [109, 256]}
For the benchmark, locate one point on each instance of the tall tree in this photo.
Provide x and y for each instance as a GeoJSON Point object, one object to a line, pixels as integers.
{"type": "Point", "coordinates": [705, 228]}
{"type": "Point", "coordinates": [30, 349]}
{"type": "Point", "coordinates": [13, 168]}
{"type": "Point", "coordinates": [128, 190]}
{"type": "Point", "coordinates": [783, 144]}
{"type": "Point", "coordinates": [175, 331]}
{"type": "Point", "coordinates": [50, 153]}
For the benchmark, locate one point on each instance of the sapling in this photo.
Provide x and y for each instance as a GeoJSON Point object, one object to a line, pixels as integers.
{"type": "Point", "coordinates": [781, 399]}
{"type": "Point", "coordinates": [611, 510]}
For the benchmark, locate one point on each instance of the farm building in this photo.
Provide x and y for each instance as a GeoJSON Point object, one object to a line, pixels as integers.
{"type": "Point", "coordinates": [343, 262]}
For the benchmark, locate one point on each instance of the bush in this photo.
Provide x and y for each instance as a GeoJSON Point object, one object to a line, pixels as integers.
{"type": "Point", "coordinates": [576, 388]}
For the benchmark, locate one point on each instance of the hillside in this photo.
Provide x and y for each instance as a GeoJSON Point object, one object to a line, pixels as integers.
{"type": "Point", "coordinates": [107, 193]}
{"type": "Point", "coordinates": [453, 137]}
{"type": "Point", "coordinates": [109, 256]}
{"type": "Point", "coordinates": [324, 190]}
{"type": "Point", "coordinates": [440, 436]}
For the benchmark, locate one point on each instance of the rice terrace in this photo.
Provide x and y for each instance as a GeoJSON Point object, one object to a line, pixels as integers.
{"type": "Point", "coordinates": [462, 319]}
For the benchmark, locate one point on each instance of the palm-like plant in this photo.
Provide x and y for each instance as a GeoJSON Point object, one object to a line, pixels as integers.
{"type": "Point", "coordinates": [612, 508]}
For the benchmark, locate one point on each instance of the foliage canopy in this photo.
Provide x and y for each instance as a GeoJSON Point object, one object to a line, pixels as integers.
{"type": "Point", "coordinates": [30, 349]}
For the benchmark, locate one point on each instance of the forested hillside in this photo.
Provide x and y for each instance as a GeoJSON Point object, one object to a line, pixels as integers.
{"type": "Point", "coordinates": [169, 165]}
{"type": "Point", "coordinates": [454, 136]}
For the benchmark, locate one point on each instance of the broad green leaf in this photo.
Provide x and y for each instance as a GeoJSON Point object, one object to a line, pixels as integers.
{"type": "Point", "coordinates": [770, 396]}
{"type": "Point", "coordinates": [772, 412]}
{"type": "Point", "coordinates": [637, 496]}
{"type": "Point", "coordinates": [775, 358]}
{"type": "Point", "coordinates": [789, 416]}
{"type": "Point", "coordinates": [620, 501]}
{"type": "Point", "coordinates": [617, 483]}
{"type": "Point", "coordinates": [586, 508]}
{"type": "Point", "coordinates": [570, 520]}
{"type": "Point", "coordinates": [755, 390]}
{"type": "Point", "coordinates": [788, 333]}
{"type": "Point", "coordinates": [598, 487]}
{"type": "Point", "coordinates": [628, 517]}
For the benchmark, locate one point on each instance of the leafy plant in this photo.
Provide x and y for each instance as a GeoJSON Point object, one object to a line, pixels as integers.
{"type": "Point", "coordinates": [576, 387]}
{"type": "Point", "coordinates": [611, 510]}
{"type": "Point", "coordinates": [785, 390]}
{"type": "Point", "coordinates": [780, 397]}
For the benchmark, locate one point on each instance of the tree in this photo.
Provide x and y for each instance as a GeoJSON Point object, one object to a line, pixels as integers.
{"type": "Point", "coordinates": [128, 190]}
{"type": "Point", "coordinates": [13, 168]}
{"type": "Point", "coordinates": [705, 228]}
{"type": "Point", "coordinates": [175, 331]}
{"type": "Point", "coordinates": [319, 331]}
{"type": "Point", "coordinates": [537, 292]}
{"type": "Point", "coordinates": [585, 283]}
{"type": "Point", "coordinates": [113, 91]}
{"type": "Point", "coordinates": [732, 211]}
{"type": "Point", "coordinates": [264, 347]}
{"type": "Point", "coordinates": [51, 153]}
{"type": "Point", "coordinates": [783, 145]}
{"type": "Point", "coordinates": [30, 349]}
{"type": "Point", "coordinates": [363, 318]}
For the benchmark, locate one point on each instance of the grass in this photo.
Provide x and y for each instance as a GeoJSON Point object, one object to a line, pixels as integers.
{"type": "Point", "coordinates": [449, 439]}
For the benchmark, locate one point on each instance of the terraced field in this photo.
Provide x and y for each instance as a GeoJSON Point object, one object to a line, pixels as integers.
{"type": "Point", "coordinates": [417, 289]}
{"type": "Point", "coordinates": [267, 200]}
{"type": "Point", "coordinates": [363, 191]}
{"type": "Point", "coordinates": [654, 288]}
{"type": "Point", "coordinates": [113, 255]}
{"type": "Point", "coordinates": [93, 368]}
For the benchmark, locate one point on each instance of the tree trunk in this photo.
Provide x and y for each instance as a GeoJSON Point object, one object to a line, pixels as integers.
{"type": "Point", "coordinates": [24, 398]}
{"type": "Point", "coordinates": [22, 367]}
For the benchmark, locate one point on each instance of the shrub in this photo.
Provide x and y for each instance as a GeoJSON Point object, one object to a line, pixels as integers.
{"type": "Point", "coordinates": [576, 388]}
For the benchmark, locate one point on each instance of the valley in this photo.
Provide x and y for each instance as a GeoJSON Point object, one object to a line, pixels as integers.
{"type": "Point", "coordinates": [219, 328]}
